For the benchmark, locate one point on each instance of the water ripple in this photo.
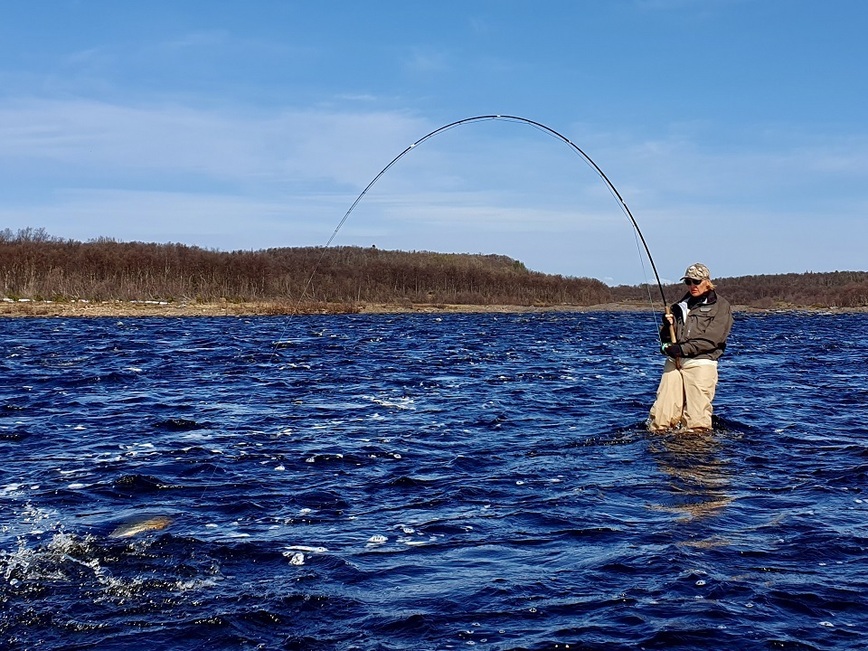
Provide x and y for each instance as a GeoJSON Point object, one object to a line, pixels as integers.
{"type": "Point", "coordinates": [427, 481]}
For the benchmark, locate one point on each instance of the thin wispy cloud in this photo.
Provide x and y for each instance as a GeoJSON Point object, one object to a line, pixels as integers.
{"type": "Point", "coordinates": [425, 60]}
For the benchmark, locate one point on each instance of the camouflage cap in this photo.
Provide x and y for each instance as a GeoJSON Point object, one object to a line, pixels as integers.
{"type": "Point", "coordinates": [697, 271]}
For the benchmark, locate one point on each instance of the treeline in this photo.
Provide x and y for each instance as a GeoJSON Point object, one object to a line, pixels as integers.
{"type": "Point", "coordinates": [847, 289]}
{"type": "Point", "coordinates": [38, 266]}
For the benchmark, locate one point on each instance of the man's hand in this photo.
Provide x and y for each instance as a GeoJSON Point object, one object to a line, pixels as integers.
{"type": "Point", "coordinates": [672, 350]}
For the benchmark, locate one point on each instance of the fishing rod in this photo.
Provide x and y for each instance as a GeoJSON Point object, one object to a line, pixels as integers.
{"type": "Point", "coordinates": [545, 129]}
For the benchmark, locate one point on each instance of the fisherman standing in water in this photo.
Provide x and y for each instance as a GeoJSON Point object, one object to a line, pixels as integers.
{"type": "Point", "coordinates": [701, 322]}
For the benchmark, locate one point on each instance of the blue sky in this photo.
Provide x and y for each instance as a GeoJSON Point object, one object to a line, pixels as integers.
{"type": "Point", "coordinates": [735, 130]}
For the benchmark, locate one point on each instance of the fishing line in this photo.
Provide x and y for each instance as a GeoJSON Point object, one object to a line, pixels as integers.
{"type": "Point", "coordinates": [545, 129]}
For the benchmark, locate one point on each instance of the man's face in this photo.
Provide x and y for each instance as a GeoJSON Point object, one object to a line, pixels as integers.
{"type": "Point", "coordinates": [697, 287]}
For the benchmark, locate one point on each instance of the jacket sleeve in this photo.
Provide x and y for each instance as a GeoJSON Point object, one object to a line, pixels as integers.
{"type": "Point", "coordinates": [709, 332]}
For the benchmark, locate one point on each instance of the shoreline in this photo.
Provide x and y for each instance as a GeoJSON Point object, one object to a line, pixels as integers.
{"type": "Point", "coordinates": [125, 309]}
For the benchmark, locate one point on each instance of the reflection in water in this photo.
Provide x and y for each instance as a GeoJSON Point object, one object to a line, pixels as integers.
{"type": "Point", "coordinates": [698, 473]}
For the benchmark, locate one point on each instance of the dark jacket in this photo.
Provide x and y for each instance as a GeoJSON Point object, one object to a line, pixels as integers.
{"type": "Point", "coordinates": [703, 330]}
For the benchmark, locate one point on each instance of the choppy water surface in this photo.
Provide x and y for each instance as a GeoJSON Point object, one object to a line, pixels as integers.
{"type": "Point", "coordinates": [427, 482]}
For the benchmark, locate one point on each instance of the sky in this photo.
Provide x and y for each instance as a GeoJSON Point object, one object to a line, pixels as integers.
{"type": "Point", "coordinates": [734, 130]}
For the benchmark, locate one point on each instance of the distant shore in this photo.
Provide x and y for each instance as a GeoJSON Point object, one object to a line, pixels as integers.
{"type": "Point", "coordinates": [125, 309]}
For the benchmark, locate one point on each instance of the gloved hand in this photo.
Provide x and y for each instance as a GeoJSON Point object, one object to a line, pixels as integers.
{"type": "Point", "coordinates": [672, 350]}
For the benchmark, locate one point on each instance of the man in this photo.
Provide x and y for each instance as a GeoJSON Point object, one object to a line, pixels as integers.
{"type": "Point", "coordinates": [701, 321]}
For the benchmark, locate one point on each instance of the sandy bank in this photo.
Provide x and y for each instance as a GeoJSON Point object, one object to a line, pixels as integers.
{"type": "Point", "coordinates": [117, 309]}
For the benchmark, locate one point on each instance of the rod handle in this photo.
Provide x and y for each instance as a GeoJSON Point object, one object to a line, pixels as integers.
{"type": "Point", "coordinates": [671, 325]}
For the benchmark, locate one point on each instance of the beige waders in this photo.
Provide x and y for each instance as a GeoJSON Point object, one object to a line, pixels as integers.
{"type": "Point", "coordinates": [684, 395]}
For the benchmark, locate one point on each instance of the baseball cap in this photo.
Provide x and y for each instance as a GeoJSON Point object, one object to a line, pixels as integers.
{"type": "Point", "coordinates": [697, 271]}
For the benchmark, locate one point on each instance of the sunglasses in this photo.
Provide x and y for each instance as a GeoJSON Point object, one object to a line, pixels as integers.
{"type": "Point", "coordinates": [691, 281]}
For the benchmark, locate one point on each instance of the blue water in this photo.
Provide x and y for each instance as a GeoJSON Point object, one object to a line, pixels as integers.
{"type": "Point", "coordinates": [428, 482]}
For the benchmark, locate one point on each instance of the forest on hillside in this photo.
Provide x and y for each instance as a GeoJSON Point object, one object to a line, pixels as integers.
{"type": "Point", "coordinates": [38, 266]}
{"type": "Point", "coordinates": [843, 289]}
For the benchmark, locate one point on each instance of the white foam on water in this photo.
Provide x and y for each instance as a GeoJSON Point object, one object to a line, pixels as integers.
{"type": "Point", "coordinates": [403, 402]}
{"type": "Point", "coordinates": [76, 471]}
{"type": "Point", "coordinates": [308, 549]}
{"type": "Point", "coordinates": [10, 489]}
{"type": "Point", "coordinates": [49, 561]}
{"type": "Point", "coordinates": [69, 557]}
{"type": "Point", "coordinates": [194, 436]}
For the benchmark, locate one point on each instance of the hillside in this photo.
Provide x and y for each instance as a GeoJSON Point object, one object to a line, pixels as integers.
{"type": "Point", "coordinates": [38, 267]}
{"type": "Point", "coordinates": [841, 289]}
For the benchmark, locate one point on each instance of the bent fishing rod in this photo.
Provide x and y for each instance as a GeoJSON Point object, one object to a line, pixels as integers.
{"type": "Point", "coordinates": [546, 129]}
